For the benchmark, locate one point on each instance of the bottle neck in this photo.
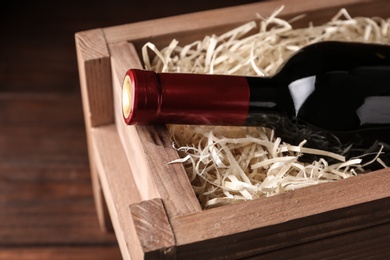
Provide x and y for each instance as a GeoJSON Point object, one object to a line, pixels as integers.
{"type": "Point", "coordinates": [270, 100]}
{"type": "Point", "coordinates": [179, 98]}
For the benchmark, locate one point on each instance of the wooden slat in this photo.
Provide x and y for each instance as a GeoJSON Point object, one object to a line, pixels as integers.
{"type": "Point", "coordinates": [45, 186]}
{"type": "Point", "coordinates": [123, 56]}
{"type": "Point", "coordinates": [195, 26]}
{"type": "Point", "coordinates": [290, 219]}
{"type": "Point", "coordinates": [149, 149]}
{"type": "Point", "coordinates": [119, 187]}
{"type": "Point", "coordinates": [95, 77]}
{"type": "Point", "coordinates": [369, 243]}
{"type": "Point", "coordinates": [61, 253]}
{"type": "Point", "coordinates": [211, 20]}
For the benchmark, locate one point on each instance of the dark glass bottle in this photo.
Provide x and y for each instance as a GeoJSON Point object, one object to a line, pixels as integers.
{"type": "Point", "coordinates": [332, 94]}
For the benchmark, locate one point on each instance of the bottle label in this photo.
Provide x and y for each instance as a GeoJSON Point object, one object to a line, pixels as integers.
{"type": "Point", "coordinates": [300, 90]}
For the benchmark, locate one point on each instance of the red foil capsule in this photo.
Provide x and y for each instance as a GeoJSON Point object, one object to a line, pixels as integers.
{"type": "Point", "coordinates": [170, 98]}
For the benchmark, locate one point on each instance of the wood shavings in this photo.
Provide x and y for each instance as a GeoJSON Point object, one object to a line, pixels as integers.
{"type": "Point", "coordinates": [230, 164]}
{"type": "Point", "coordinates": [262, 52]}
{"type": "Point", "coordinates": [249, 165]}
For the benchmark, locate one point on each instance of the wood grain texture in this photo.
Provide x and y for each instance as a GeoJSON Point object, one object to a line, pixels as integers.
{"type": "Point", "coordinates": [123, 56]}
{"type": "Point", "coordinates": [290, 219]}
{"type": "Point", "coordinates": [153, 229]}
{"type": "Point", "coordinates": [94, 63]}
{"type": "Point", "coordinates": [369, 243]}
{"type": "Point", "coordinates": [94, 70]}
{"type": "Point", "coordinates": [191, 26]}
{"type": "Point", "coordinates": [119, 187]}
{"type": "Point", "coordinates": [45, 188]}
{"type": "Point", "coordinates": [195, 26]}
{"type": "Point", "coordinates": [103, 252]}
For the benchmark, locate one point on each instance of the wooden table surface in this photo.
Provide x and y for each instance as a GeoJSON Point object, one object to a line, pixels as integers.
{"type": "Point", "coordinates": [46, 205]}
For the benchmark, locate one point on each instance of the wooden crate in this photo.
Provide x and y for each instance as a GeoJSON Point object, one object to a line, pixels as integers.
{"type": "Point", "coordinates": [152, 206]}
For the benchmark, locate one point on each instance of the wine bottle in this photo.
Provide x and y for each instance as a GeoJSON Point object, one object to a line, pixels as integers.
{"type": "Point", "coordinates": [329, 93]}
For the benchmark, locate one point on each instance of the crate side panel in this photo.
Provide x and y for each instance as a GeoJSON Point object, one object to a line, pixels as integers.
{"type": "Point", "coordinates": [119, 188]}
{"type": "Point", "coordinates": [191, 27]}
{"type": "Point", "coordinates": [122, 58]}
{"type": "Point", "coordinates": [368, 243]}
{"type": "Point", "coordinates": [223, 17]}
{"type": "Point", "coordinates": [92, 57]}
{"type": "Point", "coordinates": [314, 232]}
{"type": "Point", "coordinates": [149, 149]}
{"type": "Point", "coordinates": [300, 216]}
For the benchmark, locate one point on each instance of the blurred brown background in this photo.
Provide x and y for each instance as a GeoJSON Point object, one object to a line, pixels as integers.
{"type": "Point", "coordinates": [46, 204]}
